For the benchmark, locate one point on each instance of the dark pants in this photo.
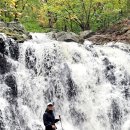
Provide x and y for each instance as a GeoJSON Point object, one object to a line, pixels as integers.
{"type": "Point", "coordinates": [49, 128]}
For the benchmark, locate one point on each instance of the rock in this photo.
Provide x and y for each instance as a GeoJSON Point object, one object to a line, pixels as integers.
{"type": "Point", "coordinates": [2, 44]}
{"type": "Point", "coordinates": [10, 80]}
{"type": "Point", "coordinates": [128, 32]}
{"type": "Point", "coordinates": [16, 31]}
{"type": "Point", "coordinates": [68, 37]}
{"type": "Point", "coordinates": [4, 65]}
{"type": "Point", "coordinates": [124, 30]}
{"type": "Point", "coordinates": [119, 32]}
{"type": "Point", "coordinates": [86, 34]}
{"type": "Point", "coordinates": [16, 25]}
{"type": "Point", "coordinates": [27, 128]}
{"type": "Point", "coordinates": [16, 35]}
{"type": "Point", "coordinates": [13, 49]}
{"type": "Point", "coordinates": [3, 36]}
{"type": "Point", "coordinates": [76, 57]}
{"type": "Point", "coordinates": [115, 114]}
{"type": "Point", "coordinates": [128, 21]}
{"type": "Point", "coordinates": [109, 71]}
{"type": "Point", "coordinates": [52, 34]}
{"type": "Point", "coordinates": [99, 39]}
{"type": "Point", "coordinates": [11, 92]}
{"type": "Point", "coordinates": [30, 59]}
{"type": "Point", "coordinates": [2, 24]}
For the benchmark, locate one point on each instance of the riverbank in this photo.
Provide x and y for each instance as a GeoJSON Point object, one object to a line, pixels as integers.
{"type": "Point", "coordinates": [14, 30]}
{"type": "Point", "coordinates": [119, 32]}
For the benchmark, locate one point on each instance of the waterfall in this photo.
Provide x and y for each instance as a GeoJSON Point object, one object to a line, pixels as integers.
{"type": "Point", "coordinates": [89, 84]}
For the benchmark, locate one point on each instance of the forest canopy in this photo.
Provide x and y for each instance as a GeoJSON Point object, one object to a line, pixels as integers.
{"type": "Point", "coordinates": [67, 15]}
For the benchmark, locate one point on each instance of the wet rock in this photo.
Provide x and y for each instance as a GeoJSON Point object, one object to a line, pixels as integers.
{"type": "Point", "coordinates": [4, 65]}
{"type": "Point", "coordinates": [124, 30]}
{"type": "Point", "coordinates": [76, 57]}
{"type": "Point", "coordinates": [9, 47]}
{"type": "Point", "coordinates": [72, 89]}
{"type": "Point", "coordinates": [2, 125]}
{"type": "Point", "coordinates": [2, 45]}
{"type": "Point", "coordinates": [15, 31]}
{"type": "Point", "coordinates": [77, 116]}
{"type": "Point", "coordinates": [106, 61]}
{"type": "Point", "coordinates": [52, 34]}
{"type": "Point", "coordinates": [27, 128]}
{"type": "Point", "coordinates": [116, 113]}
{"type": "Point", "coordinates": [86, 34]}
{"type": "Point", "coordinates": [12, 117]}
{"type": "Point", "coordinates": [119, 32]}
{"type": "Point", "coordinates": [50, 61]}
{"type": "Point", "coordinates": [109, 71]}
{"type": "Point", "coordinates": [100, 39]}
{"type": "Point", "coordinates": [68, 37]}
{"type": "Point", "coordinates": [126, 93]}
{"type": "Point", "coordinates": [128, 32]}
{"type": "Point", "coordinates": [2, 24]}
{"type": "Point", "coordinates": [30, 59]}
{"type": "Point", "coordinates": [10, 80]}
{"type": "Point", "coordinates": [115, 116]}
{"type": "Point", "coordinates": [110, 76]}
{"type": "Point", "coordinates": [13, 49]}
{"type": "Point", "coordinates": [16, 25]}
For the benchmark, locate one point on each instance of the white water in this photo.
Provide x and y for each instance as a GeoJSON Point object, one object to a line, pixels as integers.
{"type": "Point", "coordinates": [89, 84]}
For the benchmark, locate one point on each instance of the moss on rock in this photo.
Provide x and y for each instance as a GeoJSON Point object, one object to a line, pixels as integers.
{"type": "Point", "coordinates": [14, 30]}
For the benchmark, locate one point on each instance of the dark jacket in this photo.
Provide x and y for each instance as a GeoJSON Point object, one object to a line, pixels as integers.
{"type": "Point", "coordinates": [49, 120]}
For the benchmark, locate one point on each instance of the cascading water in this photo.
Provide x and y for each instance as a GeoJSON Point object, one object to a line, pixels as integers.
{"type": "Point", "coordinates": [89, 84]}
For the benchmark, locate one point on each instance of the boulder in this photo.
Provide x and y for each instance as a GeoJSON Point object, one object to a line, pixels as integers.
{"type": "Point", "coordinates": [16, 25]}
{"type": "Point", "coordinates": [100, 39]}
{"type": "Point", "coordinates": [13, 49]}
{"type": "Point", "coordinates": [10, 80]}
{"type": "Point", "coordinates": [86, 34]}
{"type": "Point", "coordinates": [2, 24]}
{"type": "Point", "coordinates": [128, 32]}
{"type": "Point", "coordinates": [15, 30]}
{"type": "Point", "coordinates": [30, 59]}
{"type": "Point", "coordinates": [52, 34]}
{"type": "Point", "coordinates": [2, 44]}
{"type": "Point", "coordinates": [4, 65]}
{"type": "Point", "coordinates": [68, 37]}
{"type": "Point", "coordinates": [12, 92]}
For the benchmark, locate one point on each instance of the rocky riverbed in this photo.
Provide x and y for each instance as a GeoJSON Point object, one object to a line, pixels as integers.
{"type": "Point", "coordinates": [14, 30]}
{"type": "Point", "coordinates": [119, 32]}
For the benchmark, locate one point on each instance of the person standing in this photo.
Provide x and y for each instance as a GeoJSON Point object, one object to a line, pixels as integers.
{"type": "Point", "coordinates": [49, 118]}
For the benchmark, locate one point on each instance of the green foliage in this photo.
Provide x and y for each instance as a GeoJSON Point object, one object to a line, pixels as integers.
{"type": "Point", "coordinates": [67, 15]}
{"type": "Point", "coordinates": [79, 15]}
{"type": "Point", "coordinates": [12, 9]}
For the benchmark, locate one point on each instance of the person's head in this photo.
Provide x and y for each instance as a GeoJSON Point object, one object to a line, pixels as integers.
{"type": "Point", "coordinates": [50, 106]}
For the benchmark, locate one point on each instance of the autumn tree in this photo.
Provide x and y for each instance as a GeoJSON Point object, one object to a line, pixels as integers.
{"type": "Point", "coordinates": [12, 9]}
{"type": "Point", "coordinates": [82, 14]}
{"type": "Point", "coordinates": [67, 15]}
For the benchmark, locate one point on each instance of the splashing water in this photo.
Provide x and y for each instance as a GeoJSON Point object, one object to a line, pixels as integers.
{"type": "Point", "coordinates": [89, 84]}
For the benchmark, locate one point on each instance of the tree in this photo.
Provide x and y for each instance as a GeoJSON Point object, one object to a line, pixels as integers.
{"type": "Point", "coordinates": [67, 15]}
{"type": "Point", "coordinates": [82, 14]}
{"type": "Point", "coordinates": [12, 9]}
